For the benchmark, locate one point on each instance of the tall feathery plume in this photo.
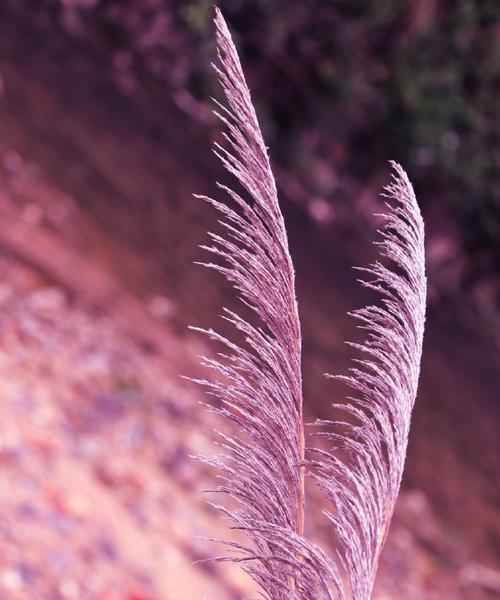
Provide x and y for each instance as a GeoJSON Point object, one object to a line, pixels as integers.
{"type": "Point", "coordinates": [363, 488]}
{"type": "Point", "coordinates": [261, 385]}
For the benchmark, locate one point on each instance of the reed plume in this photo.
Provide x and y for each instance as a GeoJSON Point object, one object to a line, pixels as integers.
{"type": "Point", "coordinates": [259, 382]}
{"type": "Point", "coordinates": [363, 488]}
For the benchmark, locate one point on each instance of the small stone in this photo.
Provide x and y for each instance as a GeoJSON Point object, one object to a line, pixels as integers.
{"type": "Point", "coordinates": [11, 580]}
{"type": "Point", "coordinates": [160, 307]}
{"type": "Point", "coordinates": [69, 588]}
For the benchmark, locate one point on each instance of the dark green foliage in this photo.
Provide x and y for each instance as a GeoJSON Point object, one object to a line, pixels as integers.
{"type": "Point", "coordinates": [339, 85]}
{"type": "Point", "coordinates": [358, 80]}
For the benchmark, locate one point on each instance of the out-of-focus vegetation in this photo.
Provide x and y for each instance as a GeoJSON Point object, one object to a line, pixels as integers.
{"type": "Point", "coordinates": [367, 80]}
{"type": "Point", "coordinates": [342, 86]}
{"type": "Point", "coordinates": [97, 167]}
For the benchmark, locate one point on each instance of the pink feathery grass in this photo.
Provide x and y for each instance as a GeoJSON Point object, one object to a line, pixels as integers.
{"type": "Point", "coordinates": [262, 467]}
{"type": "Point", "coordinates": [363, 489]}
{"type": "Point", "coordinates": [258, 382]}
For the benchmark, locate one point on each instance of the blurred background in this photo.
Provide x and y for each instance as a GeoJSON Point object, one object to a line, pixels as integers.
{"type": "Point", "coordinates": [105, 134]}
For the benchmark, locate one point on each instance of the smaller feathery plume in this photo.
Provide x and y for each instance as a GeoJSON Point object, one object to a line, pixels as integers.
{"type": "Point", "coordinates": [363, 488]}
